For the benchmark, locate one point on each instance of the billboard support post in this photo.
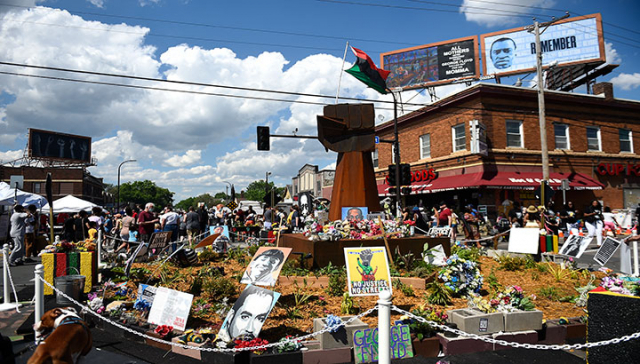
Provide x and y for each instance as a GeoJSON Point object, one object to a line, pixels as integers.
{"type": "Point", "coordinates": [541, 110]}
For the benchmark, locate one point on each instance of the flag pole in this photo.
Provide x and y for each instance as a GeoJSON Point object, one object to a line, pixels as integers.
{"type": "Point", "coordinates": [344, 57]}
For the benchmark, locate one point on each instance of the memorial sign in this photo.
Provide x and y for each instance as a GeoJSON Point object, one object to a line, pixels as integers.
{"type": "Point", "coordinates": [367, 271]}
{"type": "Point", "coordinates": [606, 251]}
{"type": "Point", "coordinates": [147, 292]}
{"type": "Point", "coordinates": [365, 344]}
{"type": "Point", "coordinates": [171, 308]}
{"type": "Point", "coordinates": [439, 231]}
{"type": "Point", "coordinates": [524, 240]}
{"type": "Point", "coordinates": [575, 245]}
{"type": "Point", "coordinates": [159, 241]}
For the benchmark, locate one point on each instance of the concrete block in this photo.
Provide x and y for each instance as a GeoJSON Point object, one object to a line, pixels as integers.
{"type": "Point", "coordinates": [462, 345]}
{"type": "Point", "coordinates": [522, 320]}
{"type": "Point", "coordinates": [329, 356]}
{"type": "Point", "coordinates": [522, 337]}
{"type": "Point", "coordinates": [474, 321]}
{"type": "Point", "coordinates": [343, 337]}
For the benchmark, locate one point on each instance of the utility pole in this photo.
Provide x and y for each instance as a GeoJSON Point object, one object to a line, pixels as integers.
{"type": "Point", "coordinates": [535, 28]}
{"type": "Point", "coordinates": [396, 152]}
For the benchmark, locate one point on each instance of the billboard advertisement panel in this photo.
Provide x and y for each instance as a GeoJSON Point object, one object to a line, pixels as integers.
{"type": "Point", "coordinates": [569, 41]}
{"type": "Point", "coordinates": [45, 144]}
{"type": "Point", "coordinates": [432, 64]}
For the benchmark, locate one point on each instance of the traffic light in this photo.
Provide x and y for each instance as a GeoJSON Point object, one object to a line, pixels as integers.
{"type": "Point", "coordinates": [264, 142]}
{"type": "Point", "coordinates": [392, 175]}
{"type": "Point", "coordinates": [405, 174]}
{"type": "Point", "coordinates": [406, 190]}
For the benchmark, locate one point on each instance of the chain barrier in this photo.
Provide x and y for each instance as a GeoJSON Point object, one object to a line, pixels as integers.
{"type": "Point", "coordinates": [13, 288]}
{"type": "Point", "coordinates": [298, 339]}
{"type": "Point", "coordinates": [518, 345]}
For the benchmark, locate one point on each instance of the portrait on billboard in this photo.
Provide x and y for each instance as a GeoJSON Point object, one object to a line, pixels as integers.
{"type": "Point", "coordinates": [248, 314]}
{"type": "Point", "coordinates": [265, 266]}
{"type": "Point", "coordinates": [569, 41]}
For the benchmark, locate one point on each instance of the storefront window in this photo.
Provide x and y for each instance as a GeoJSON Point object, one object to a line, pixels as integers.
{"type": "Point", "coordinates": [514, 133]}
{"type": "Point", "coordinates": [593, 139]}
{"type": "Point", "coordinates": [561, 132]}
{"type": "Point", "coordinates": [459, 138]}
{"type": "Point", "coordinates": [626, 144]}
{"type": "Point", "coordinates": [37, 187]}
{"type": "Point", "coordinates": [374, 157]}
{"type": "Point", "coordinates": [425, 146]}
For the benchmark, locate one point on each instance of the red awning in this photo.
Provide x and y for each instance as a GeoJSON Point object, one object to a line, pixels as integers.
{"type": "Point", "coordinates": [499, 180]}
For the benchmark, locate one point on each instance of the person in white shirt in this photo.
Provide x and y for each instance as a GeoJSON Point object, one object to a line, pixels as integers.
{"type": "Point", "coordinates": [170, 221]}
{"type": "Point", "coordinates": [610, 222]}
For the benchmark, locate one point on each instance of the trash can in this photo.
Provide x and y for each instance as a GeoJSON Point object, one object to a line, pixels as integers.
{"type": "Point", "coordinates": [71, 285]}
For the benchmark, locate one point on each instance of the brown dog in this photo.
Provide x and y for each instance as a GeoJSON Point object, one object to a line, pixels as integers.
{"type": "Point", "coordinates": [69, 340]}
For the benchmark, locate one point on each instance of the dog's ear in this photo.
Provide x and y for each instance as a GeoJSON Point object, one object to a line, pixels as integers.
{"type": "Point", "coordinates": [71, 309]}
{"type": "Point", "coordinates": [56, 312]}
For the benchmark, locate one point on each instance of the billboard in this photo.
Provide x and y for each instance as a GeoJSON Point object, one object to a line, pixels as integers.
{"type": "Point", "coordinates": [432, 64]}
{"type": "Point", "coordinates": [569, 41]}
{"type": "Point", "coordinates": [58, 146]}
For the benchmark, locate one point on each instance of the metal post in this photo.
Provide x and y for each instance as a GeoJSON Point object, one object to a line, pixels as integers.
{"type": "Point", "coordinates": [99, 248]}
{"type": "Point", "coordinates": [396, 146]}
{"type": "Point", "coordinates": [635, 258]}
{"type": "Point", "coordinates": [384, 327]}
{"type": "Point", "coordinates": [130, 160]}
{"type": "Point", "coordinates": [39, 311]}
{"type": "Point", "coordinates": [5, 274]}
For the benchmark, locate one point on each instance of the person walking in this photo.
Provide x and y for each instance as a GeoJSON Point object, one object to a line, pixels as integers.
{"type": "Point", "coordinates": [193, 224]}
{"type": "Point", "coordinates": [18, 225]}
{"type": "Point", "coordinates": [146, 222]}
{"type": "Point", "coordinates": [169, 222]}
{"type": "Point", "coordinates": [593, 220]}
{"type": "Point", "coordinates": [203, 218]}
{"type": "Point", "coordinates": [31, 233]}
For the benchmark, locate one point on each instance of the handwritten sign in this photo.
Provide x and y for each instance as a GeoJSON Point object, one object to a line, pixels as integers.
{"type": "Point", "coordinates": [159, 240]}
{"type": "Point", "coordinates": [439, 231]}
{"type": "Point", "coordinates": [170, 308]}
{"type": "Point", "coordinates": [365, 344]}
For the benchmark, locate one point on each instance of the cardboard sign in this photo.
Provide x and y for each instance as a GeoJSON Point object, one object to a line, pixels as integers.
{"type": "Point", "coordinates": [625, 259]}
{"type": "Point", "coordinates": [524, 240]}
{"type": "Point", "coordinates": [440, 231]}
{"type": "Point", "coordinates": [435, 256]}
{"type": "Point", "coordinates": [264, 268]}
{"type": "Point", "coordinates": [248, 313]}
{"type": "Point", "coordinates": [606, 251]}
{"type": "Point", "coordinates": [367, 271]}
{"type": "Point", "coordinates": [159, 240]}
{"type": "Point", "coordinates": [147, 292]}
{"type": "Point", "coordinates": [575, 245]}
{"type": "Point", "coordinates": [365, 344]}
{"type": "Point", "coordinates": [170, 308]}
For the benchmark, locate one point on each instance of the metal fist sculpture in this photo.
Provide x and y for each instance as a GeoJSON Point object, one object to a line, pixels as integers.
{"type": "Point", "coordinates": [349, 129]}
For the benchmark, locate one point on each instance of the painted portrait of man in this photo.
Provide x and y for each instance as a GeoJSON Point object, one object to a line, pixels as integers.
{"type": "Point", "coordinates": [265, 266]}
{"type": "Point", "coordinates": [248, 313]}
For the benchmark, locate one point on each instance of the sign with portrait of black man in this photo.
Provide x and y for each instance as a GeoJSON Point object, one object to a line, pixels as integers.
{"type": "Point", "coordinates": [264, 268]}
{"type": "Point", "coordinates": [569, 41]}
{"type": "Point", "coordinates": [248, 314]}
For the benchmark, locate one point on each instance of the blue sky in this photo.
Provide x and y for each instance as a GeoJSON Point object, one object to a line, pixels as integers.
{"type": "Point", "coordinates": [193, 143]}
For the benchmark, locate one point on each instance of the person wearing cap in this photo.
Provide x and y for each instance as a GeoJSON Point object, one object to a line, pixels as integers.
{"type": "Point", "coordinates": [444, 216]}
{"type": "Point", "coordinates": [532, 217]}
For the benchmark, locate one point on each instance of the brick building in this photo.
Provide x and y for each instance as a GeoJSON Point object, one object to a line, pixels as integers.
{"type": "Point", "coordinates": [482, 146]}
{"type": "Point", "coordinates": [65, 181]}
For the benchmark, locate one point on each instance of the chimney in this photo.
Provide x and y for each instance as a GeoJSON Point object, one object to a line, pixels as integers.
{"type": "Point", "coordinates": [604, 88]}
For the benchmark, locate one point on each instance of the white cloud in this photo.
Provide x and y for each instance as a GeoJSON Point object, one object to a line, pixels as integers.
{"type": "Point", "coordinates": [492, 14]}
{"type": "Point", "coordinates": [10, 155]}
{"type": "Point", "coordinates": [97, 3]}
{"type": "Point", "coordinates": [627, 81]}
{"type": "Point", "coordinates": [612, 55]}
{"type": "Point", "coordinates": [190, 157]}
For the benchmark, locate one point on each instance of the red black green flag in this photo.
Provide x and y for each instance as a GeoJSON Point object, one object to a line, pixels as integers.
{"type": "Point", "coordinates": [366, 71]}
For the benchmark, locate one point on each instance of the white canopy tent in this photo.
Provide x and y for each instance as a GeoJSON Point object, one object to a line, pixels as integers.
{"type": "Point", "coordinates": [8, 194]}
{"type": "Point", "coordinates": [69, 204]}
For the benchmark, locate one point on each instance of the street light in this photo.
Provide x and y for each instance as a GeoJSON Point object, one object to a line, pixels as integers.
{"type": "Point", "coordinates": [227, 188]}
{"type": "Point", "coordinates": [127, 161]}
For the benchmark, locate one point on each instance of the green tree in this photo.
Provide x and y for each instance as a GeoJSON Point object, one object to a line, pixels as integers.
{"type": "Point", "coordinates": [256, 191]}
{"type": "Point", "coordinates": [184, 204]}
{"type": "Point", "coordinates": [141, 192]}
{"type": "Point", "coordinates": [208, 200]}
{"type": "Point", "coordinates": [221, 196]}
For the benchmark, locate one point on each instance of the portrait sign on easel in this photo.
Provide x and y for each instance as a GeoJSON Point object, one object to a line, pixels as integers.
{"type": "Point", "coordinates": [171, 308]}
{"type": "Point", "coordinates": [248, 313]}
{"type": "Point", "coordinates": [265, 266]}
{"type": "Point", "coordinates": [367, 271]}
{"type": "Point", "coordinates": [575, 245]}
